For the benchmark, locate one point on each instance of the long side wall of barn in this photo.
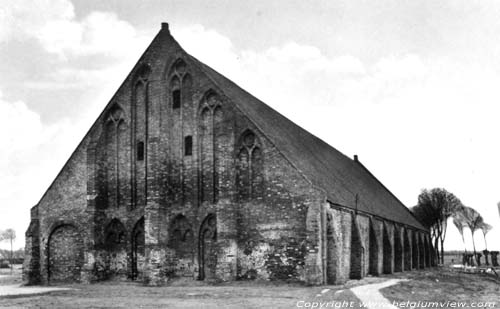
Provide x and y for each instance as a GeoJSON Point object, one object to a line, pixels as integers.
{"type": "Point", "coordinates": [356, 245]}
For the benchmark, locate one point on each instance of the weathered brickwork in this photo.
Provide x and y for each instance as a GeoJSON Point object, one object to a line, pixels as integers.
{"type": "Point", "coordinates": [377, 258]}
{"type": "Point", "coordinates": [31, 275]}
{"type": "Point", "coordinates": [65, 254]}
{"type": "Point", "coordinates": [398, 249]}
{"type": "Point", "coordinates": [176, 179]}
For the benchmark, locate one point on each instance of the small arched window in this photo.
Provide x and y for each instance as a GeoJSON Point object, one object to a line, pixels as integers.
{"type": "Point", "coordinates": [188, 145]}
{"type": "Point", "coordinates": [176, 99]}
{"type": "Point", "coordinates": [140, 151]}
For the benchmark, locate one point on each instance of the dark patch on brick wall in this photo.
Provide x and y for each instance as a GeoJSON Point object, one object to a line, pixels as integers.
{"type": "Point", "coordinates": [284, 261]}
{"type": "Point", "coordinates": [414, 251]}
{"type": "Point", "coordinates": [357, 252]}
{"type": "Point", "coordinates": [247, 236]}
{"type": "Point", "coordinates": [427, 252]}
{"type": "Point", "coordinates": [388, 254]}
{"type": "Point", "coordinates": [374, 250]}
{"type": "Point", "coordinates": [398, 250]}
{"type": "Point", "coordinates": [407, 250]}
{"type": "Point", "coordinates": [421, 251]}
{"type": "Point", "coordinates": [250, 274]}
{"type": "Point", "coordinates": [115, 236]}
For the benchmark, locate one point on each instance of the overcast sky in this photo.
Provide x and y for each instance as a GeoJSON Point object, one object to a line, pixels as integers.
{"type": "Point", "coordinates": [412, 87]}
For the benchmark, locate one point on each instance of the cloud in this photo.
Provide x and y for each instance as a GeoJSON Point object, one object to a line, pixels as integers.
{"type": "Point", "coordinates": [31, 154]}
{"type": "Point", "coordinates": [90, 55]}
{"type": "Point", "coordinates": [292, 66]}
{"type": "Point", "coordinates": [24, 18]}
{"type": "Point", "coordinates": [97, 33]}
{"type": "Point", "coordinates": [99, 37]}
{"type": "Point", "coordinates": [54, 25]}
{"type": "Point", "coordinates": [21, 129]}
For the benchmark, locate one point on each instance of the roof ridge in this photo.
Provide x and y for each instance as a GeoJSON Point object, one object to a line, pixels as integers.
{"type": "Point", "coordinates": [387, 189]}
{"type": "Point", "coordinates": [319, 158]}
{"type": "Point", "coordinates": [203, 67]}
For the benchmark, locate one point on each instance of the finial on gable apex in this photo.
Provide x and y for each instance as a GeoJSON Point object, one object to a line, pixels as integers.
{"type": "Point", "coordinates": [164, 27]}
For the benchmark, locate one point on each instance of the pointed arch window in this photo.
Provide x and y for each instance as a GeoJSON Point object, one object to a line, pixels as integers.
{"type": "Point", "coordinates": [115, 139]}
{"type": "Point", "coordinates": [180, 82]}
{"type": "Point", "coordinates": [141, 112]}
{"type": "Point", "coordinates": [249, 167]}
{"type": "Point", "coordinates": [212, 138]}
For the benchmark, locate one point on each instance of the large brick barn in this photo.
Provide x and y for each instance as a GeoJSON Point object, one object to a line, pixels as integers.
{"type": "Point", "coordinates": [185, 174]}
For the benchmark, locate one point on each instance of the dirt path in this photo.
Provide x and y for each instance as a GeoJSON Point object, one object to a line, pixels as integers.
{"type": "Point", "coordinates": [370, 294]}
{"type": "Point", "coordinates": [17, 289]}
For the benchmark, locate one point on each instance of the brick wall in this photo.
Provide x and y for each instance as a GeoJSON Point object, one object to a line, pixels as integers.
{"type": "Point", "coordinates": [174, 181]}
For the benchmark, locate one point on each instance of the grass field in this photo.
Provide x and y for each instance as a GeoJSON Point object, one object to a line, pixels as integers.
{"type": "Point", "coordinates": [436, 284]}
{"type": "Point", "coordinates": [444, 285]}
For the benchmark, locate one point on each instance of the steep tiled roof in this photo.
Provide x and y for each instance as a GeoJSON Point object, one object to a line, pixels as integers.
{"type": "Point", "coordinates": [339, 176]}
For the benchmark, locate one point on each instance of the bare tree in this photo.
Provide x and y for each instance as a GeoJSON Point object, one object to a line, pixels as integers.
{"type": "Point", "coordinates": [485, 227]}
{"type": "Point", "coordinates": [472, 220]}
{"type": "Point", "coordinates": [9, 235]}
{"type": "Point", "coordinates": [459, 224]}
{"type": "Point", "coordinates": [434, 208]}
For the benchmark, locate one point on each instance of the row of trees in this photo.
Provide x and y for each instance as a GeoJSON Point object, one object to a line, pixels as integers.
{"type": "Point", "coordinates": [468, 217]}
{"type": "Point", "coordinates": [436, 206]}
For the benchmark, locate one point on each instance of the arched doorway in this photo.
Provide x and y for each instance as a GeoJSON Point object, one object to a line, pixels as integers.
{"type": "Point", "coordinates": [387, 248]}
{"type": "Point", "coordinates": [116, 243]}
{"type": "Point", "coordinates": [427, 252]}
{"type": "Point", "coordinates": [398, 250]}
{"type": "Point", "coordinates": [414, 251]}
{"type": "Point", "coordinates": [181, 241]}
{"type": "Point", "coordinates": [64, 254]}
{"type": "Point", "coordinates": [374, 251]}
{"type": "Point", "coordinates": [357, 252]}
{"type": "Point", "coordinates": [137, 254]}
{"type": "Point", "coordinates": [407, 250]}
{"type": "Point", "coordinates": [421, 253]}
{"type": "Point", "coordinates": [208, 245]}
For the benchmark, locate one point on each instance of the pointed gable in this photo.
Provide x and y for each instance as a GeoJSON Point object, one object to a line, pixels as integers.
{"type": "Point", "coordinates": [324, 166]}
